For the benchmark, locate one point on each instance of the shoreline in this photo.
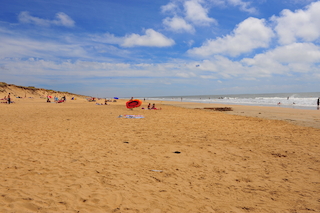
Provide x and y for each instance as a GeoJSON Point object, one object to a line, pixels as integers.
{"type": "Point", "coordinates": [300, 100]}
{"type": "Point", "coordinates": [243, 104]}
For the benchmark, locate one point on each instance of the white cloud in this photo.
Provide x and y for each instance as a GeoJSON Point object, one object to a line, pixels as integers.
{"type": "Point", "coordinates": [297, 57]}
{"type": "Point", "coordinates": [186, 15]}
{"type": "Point", "coordinates": [108, 38]}
{"type": "Point", "coordinates": [84, 69]}
{"type": "Point", "coordinates": [244, 6]}
{"type": "Point", "coordinates": [16, 44]}
{"type": "Point", "coordinates": [178, 24]}
{"type": "Point", "coordinates": [185, 74]}
{"type": "Point", "coordinates": [23, 47]}
{"type": "Point", "coordinates": [301, 24]}
{"type": "Point", "coordinates": [303, 58]}
{"type": "Point", "coordinates": [61, 19]}
{"type": "Point", "coordinates": [152, 38]}
{"type": "Point", "coordinates": [189, 43]}
{"type": "Point", "coordinates": [300, 1]}
{"type": "Point", "coordinates": [170, 7]}
{"type": "Point", "coordinates": [283, 60]}
{"type": "Point", "coordinates": [197, 14]}
{"type": "Point", "coordinates": [296, 53]}
{"type": "Point", "coordinates": [250, 34]}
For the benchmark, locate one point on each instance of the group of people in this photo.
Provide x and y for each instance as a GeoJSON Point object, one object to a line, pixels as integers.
{"type": "Point", "coordinates": [7, 99]}
{"type": "Point", "coordinates": [280, 103]}
{"type": "Point", "coordinates": [56, 99]}
{"type": "Point", "coordinates": [152, 107]}
{"type": "Point", "coordinates": [318, 103]}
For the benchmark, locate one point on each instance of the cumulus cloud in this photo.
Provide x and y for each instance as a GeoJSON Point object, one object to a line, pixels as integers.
{"type": "Point", "coordinates": [186, 15]}
{"type": "Point", "coordinates": [197, 14]}
{"type": "Point", "coordinates": [301, 24]}
{"type": "Point", "coordinates": [152, 38]}
{"type": "Point", "coordinates": [178, 24]}
{"type": "Point", "coordinates": [250, 34]}
{"type": "Point", "coordinates": [285, 60]}
{"type": "Point", "coordinates": [303, 58]}
{"type": "Point", "coordinates": [61, 19]}
{"type": "Point", "coordinates": [296, 53]}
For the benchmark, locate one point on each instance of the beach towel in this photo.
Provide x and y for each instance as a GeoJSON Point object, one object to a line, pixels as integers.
{"type": "Point", "coordinates": [131, 116]}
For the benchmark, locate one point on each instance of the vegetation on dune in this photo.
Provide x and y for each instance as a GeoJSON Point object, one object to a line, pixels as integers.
{"type": "Point", "coordinates": [5, 88]}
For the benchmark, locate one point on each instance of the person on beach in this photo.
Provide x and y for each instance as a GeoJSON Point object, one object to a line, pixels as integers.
{"type": "Point", "coordinates": [318, 102]}
{"type": "Point", "coordinates": [9, 98]}
{"type": "Point", "coordinates": [154, 107]}
{"type": "Point", "coordinates": [149, 105]}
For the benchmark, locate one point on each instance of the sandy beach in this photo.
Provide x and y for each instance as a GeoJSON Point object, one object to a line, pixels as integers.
{"type": "Point", "coordinates": [82, 157]}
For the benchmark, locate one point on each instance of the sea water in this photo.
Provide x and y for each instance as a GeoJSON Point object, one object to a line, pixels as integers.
{"type": "Point", "coordinates": [291, 100]}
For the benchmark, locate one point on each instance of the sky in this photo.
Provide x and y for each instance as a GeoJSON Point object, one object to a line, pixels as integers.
{"type": "Point", "coordinates": [145, 48]}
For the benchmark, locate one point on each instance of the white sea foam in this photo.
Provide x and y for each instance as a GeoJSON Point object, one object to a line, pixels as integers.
{"type": "Point", "coordinates": [292, 100]}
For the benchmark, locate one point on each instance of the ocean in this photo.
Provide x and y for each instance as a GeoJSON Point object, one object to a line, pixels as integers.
{"type": "Point", "coordinates": [307, 100]}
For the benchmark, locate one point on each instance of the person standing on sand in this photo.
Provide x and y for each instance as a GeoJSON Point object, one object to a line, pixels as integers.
{"type": "Point", "coordinates": [318, 102]}
{"type": "Point", "coordinates": [9, 98]}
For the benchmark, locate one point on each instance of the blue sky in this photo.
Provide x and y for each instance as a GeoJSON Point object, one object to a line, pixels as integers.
{"type": "Point", "coordinates": [146, 48]}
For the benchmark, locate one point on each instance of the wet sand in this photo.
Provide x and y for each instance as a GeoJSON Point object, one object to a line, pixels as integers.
{"type": "Point", "coordinates": [303, 117]}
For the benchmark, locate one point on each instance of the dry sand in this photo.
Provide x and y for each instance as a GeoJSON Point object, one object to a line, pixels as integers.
{"type": "Point", "coordinates": [80, 157]}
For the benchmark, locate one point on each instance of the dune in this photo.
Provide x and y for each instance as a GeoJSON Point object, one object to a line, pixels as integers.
{"type": "Point", "coordinates": [21, 92]}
